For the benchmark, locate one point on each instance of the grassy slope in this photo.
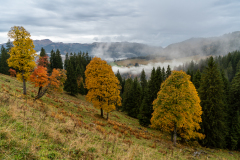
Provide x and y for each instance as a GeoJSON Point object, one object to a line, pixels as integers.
{"type": "Point", "coordinates": [60, 126]}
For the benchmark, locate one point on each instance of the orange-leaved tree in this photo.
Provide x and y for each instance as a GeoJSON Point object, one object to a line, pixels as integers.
{"type": "Point", "coordinates": [103, 86]}
{"type": "Point", "coordinates": [177, 107]}
{"type": "Point", "coordinates": [44, 82]}
{"type": "Point", "coordinates": [12, 72]}
{"type": "Point", "coordinates": [22, 54]}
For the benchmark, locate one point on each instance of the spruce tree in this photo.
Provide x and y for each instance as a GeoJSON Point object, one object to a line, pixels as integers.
{"type": "Point", "coordinates": [238, 67]}
{"type": "Point", "coordinates": [143, 82]}
{"type": "Point", "coordinates": [163, 74]}
{"type": "Point", "coordinates": [234, 113]}
{"type": "Point", "coordinates": [71, 83]}
{"type": "Point", "coordinates": [118, 75]}
{"type": "Point", "coordinates": [158, 80]}
{"type": "Point", "coordinates": [143, 116]}
{"type": "Point", "coordinates": [230, 71]}
{"type": "Point", "coordinates": [212, 96]}
{"type": "Point", "coordinates": [52, 60]}
{"type": "Point", "coordinates": [190, 73]}
{"type": "Point", "coordinates": [146, 108]}
{"type": "Point", "coordinates": [127, 97]}
{"type": "Point", "coordinates": [58, 60]}
{"type": "Point", "coordinates": [66, 61]}
{"type": "Point", "coordinates": [136, 96]}
{"type": "Point", "coordinates": [3, 61]}
{"type": "Point", "coordinates": [43, 52]}
{"type": "Point", "coordinates": [168, 72]}
{"type": "Point", "coordinates": [197, 79]}
{"type": "Point", "coordinates": [9, 45]}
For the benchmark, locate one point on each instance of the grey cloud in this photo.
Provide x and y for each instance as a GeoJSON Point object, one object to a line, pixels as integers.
{"type": "Point", "coordinates": [153, 22]}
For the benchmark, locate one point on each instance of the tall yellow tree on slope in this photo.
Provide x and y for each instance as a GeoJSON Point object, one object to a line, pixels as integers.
{"type": "Point", "coordinates": [103, 86]}
{"type": "Point", "coordinates": [22, 54]}
{"type": "Point", "coordinates": [177, 107]}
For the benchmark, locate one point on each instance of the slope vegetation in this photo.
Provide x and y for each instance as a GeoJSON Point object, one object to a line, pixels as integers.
{"type": "Point", "coordinates": [60, 126]}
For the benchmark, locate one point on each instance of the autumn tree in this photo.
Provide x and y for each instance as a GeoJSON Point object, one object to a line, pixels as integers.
{"type": "Point", "coordinates": [12, 72]}
{"type": "Point", "coordinates": [22, 54]}
{"type": "Point", "coordinates": [46, 83]}
{"type": "Point", "coordinates": [103, 86]}
{"type": "Point", "coordinates": [177, 107]}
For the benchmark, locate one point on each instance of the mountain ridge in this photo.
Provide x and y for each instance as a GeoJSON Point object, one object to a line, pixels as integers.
{"type": "Point", "coordinates": [123, 50]}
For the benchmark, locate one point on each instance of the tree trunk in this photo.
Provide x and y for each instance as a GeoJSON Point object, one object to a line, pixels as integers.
{"type": "Point", "coordinates": [172, 136]}
{"type": "Point", "coordinates": [175, 135]}
{"type": "Point", "coordinates": [39, 90]}
{"type": "Point", "coordinates": [107, 115]}
{"type": "Point", "coordinates": [101, 112]}
{"type": "Point", "coordinates": [24, 84]}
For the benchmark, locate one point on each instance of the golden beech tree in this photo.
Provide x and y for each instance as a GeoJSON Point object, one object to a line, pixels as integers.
{"type": "Point", "coordinates": [103, 86]}
{"type": "Point", "coordinates": [22, 54]}
{"type": "Point", "coordinates": [177, 107]}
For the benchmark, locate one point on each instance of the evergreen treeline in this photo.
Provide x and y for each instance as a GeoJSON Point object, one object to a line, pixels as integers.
{"type": "Point", "coordinates": [75, 64]}
{"type": "Point", "coordinates": [138, 94]}
{"type": "Point", "coordinates": [4, 56]}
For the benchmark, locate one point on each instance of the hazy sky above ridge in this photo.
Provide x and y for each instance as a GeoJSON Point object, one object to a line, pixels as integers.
{"type": "Point", "coordinates": [153, 22]}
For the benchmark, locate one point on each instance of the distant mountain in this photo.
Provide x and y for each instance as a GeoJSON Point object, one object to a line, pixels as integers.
{"type": "Point", "coordinates": [124, 50]}
{"type": "Point", "coordinates": [203, 46]}
{"type": "Point", "coordinates": [109, 51]}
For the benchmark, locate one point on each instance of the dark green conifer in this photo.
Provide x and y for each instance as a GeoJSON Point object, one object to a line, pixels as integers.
{"type": "Point", "coordinates": [52, 60]}
{"type": "Point", "coordinates": [70, 84]}
{"type": "Point", "coordinates": [168, 72]}
{"type": "Point", "coordinates": [127, 97]}
{"type": "Point", "coordinates": [234, 113]}
{"type": "Point", "coordinates": [43, 52]}
{"type": "Point", "coordinates": [3, 61]}
{"type": "Point", "coordinates": [212, 96]}
{"type": "Point", "coordinates": [163, 74]}
{"type": "Point", "coordinates": [58, 60]}
{"type": "Point", "coordinates": [143, 82]}
{"type": "Point", "coordinates": [143, 116]}
{"type": "Point", "coordinates": [158, 79]}
{"type": "Point", "coordinates": [9, 45]}
{"type": "Point", "coordinates": [197, 79]}
{"type": "Point", "coordinates": [146, 109]}
{"type": "Point", "coordinates": [136, 95]}
{"type": "Point", "coordinates": [66, 61]}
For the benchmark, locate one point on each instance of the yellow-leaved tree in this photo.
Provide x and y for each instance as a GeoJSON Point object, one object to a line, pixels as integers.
{"type": "Point", "coordinates": [22, 54]}
{"type": "Point", "coordinates": [177, 107]}
{"type": "Point", "coordinates": [103, 86]}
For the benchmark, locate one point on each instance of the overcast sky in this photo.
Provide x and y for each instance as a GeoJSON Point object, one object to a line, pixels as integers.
{"type": "Point", "coordinates": [153, 22]}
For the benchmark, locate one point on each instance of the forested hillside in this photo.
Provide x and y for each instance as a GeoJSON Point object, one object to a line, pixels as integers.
{"type": "Point", "coordinates": [80, 109]}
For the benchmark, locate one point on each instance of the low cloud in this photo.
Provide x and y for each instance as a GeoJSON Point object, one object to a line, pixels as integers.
{"type": "Point", "coordinates": [147, 68]}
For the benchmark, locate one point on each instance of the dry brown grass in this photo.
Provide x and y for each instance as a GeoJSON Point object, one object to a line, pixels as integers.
{"type": "Point", "coordinates": [68, 128]}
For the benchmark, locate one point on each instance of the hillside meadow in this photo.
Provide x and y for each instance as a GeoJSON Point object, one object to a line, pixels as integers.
{"type": "Point", "coordinates": [60, 126]}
